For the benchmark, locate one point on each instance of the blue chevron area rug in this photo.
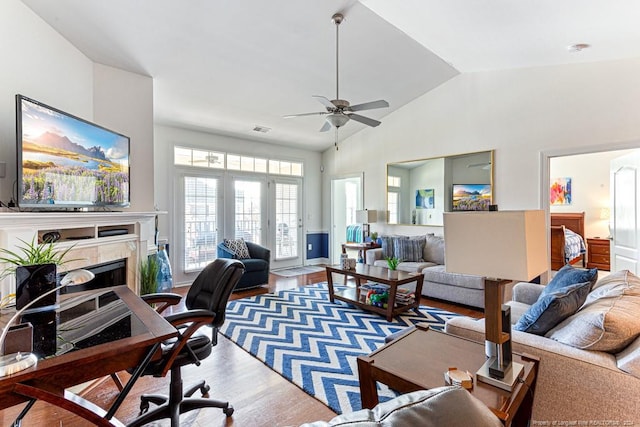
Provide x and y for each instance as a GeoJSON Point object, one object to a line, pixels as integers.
{"type": "Point", "coordinates": [314, 343]}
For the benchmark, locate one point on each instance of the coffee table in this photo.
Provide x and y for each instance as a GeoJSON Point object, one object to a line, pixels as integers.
{"type": "Point", "coordinates": [418, 360]}
{"type": "Point", "coordinates": [364, 273]}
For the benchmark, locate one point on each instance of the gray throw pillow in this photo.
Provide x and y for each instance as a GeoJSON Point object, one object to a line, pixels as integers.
{"type": "Point", "coordinates": [449, 406]}
{"type": "Point", "coordinates": [434, 249]}
{"type": "Point", "coordinates": [552, 308]}
{"type": "Point", "coordinates": [608, 321]}
{"type": "Point", "coordinates": [409, 250]}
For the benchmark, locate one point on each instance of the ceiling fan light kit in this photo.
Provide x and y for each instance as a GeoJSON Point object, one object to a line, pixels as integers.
{"type": "Point", "coordinates": [340, 111]}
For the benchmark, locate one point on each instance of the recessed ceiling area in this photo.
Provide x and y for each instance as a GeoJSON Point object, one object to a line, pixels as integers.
{"type": "Point", "coordinates": [227, 67]}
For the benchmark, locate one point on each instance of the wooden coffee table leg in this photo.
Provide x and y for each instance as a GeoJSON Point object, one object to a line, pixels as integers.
{"type": "Point", "coordinates": [368, 389]}
{"type": "Point", "coordinates": [330, 285]}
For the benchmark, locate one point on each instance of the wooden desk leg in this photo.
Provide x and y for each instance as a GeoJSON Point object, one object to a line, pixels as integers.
{"type": "Point", "coordinates": [368, 389]}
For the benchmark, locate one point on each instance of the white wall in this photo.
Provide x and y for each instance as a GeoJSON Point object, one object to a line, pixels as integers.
{"type": "Point", "coordinates": [123, 101]}
{"type": "Point", "coordinates": [39, 63]}
{"type": "Point", "coordinates": [590, 193]}
{"type": "Point", "coordinates": [164, 174]}
{"type": "Point", "coordinates": [519, 113]}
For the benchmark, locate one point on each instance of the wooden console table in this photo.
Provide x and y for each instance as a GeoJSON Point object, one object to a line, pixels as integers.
{"type": "Point", "coordinates": [418, 360]}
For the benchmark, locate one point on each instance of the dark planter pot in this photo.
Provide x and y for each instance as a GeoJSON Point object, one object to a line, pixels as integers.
{"type": "Point", "coordinates": [33, 281]}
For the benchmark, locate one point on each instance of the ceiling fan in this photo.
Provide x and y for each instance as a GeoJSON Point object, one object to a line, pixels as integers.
{"type": "Point", "coordinates": [339, 111]}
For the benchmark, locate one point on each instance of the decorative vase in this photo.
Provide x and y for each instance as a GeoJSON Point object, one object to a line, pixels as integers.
{"type": "Point", "coordinates": [392, 274]}
{"type": "Point", "coordinates": [33, 281]}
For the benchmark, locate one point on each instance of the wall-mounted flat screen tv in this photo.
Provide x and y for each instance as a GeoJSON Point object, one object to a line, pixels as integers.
{"type": "Point", "coordinates": [471, 197]}
{"type": "Point", "coordinates": [67, 162]}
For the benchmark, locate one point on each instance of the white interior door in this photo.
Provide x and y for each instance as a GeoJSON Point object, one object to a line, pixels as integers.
{"type": "Point", "coordinates": [625, 195]}
{"type": "Point", "coordinates": [346, 199]}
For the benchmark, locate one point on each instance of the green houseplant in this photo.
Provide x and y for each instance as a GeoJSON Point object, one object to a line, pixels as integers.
{"type": "Point", "coordinates": [392, 262]}
{"type": "Point", "coordinates": [35, 266]}
{"type": "Point", "coordinates": [149, 269]}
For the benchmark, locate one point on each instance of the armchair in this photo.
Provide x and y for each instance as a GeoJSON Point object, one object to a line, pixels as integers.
{"type": "Point", "coordinates": [256, 267]}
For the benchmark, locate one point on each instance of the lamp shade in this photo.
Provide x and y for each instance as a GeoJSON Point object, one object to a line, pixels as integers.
{"type": "Point", "coordinates": [504, 244]}
{"type": "Point", "coordinates": [366, 216]}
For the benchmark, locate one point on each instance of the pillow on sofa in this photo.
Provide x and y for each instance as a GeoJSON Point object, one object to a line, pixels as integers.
{"type": "Point", "coordinates": [449, 405]}
{"type": "Point", "coordinates": [409, 250]}
{"type": "Point", "coordinates": [434, 249]}
{"type": "Point", "coordinates": [388, 245]}
{"type": "Point", "coordinates": [608, 320]}
{"type": "Point", "coordinates": [238, 247]}
{"type": "Point", "coordinates": [568, 275]}
{"type": "Point", "coordinates": [552, 308]}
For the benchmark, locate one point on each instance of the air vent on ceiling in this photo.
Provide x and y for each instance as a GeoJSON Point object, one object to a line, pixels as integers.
{"type": "Point", "coordinates": [261, 129]}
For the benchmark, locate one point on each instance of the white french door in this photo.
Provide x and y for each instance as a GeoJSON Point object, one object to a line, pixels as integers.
{"type": "Point", "coordinates": [248, 215]}
{"type": "Point", "coordinates": [202, 219]}
{"type": "Point", "coordinates": [285, 197]}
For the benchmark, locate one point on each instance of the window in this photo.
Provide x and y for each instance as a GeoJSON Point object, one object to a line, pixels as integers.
{"type": "Point", "coordinates": [199, 158]}
{"type": "Point", "coordinates": [281, 167]}
{"type": "Point", "coordinates": [393, 203]}
{"type": "Point", "coordinates": [393, 181]}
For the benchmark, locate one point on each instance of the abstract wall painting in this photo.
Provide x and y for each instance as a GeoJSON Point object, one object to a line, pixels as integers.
{"type": "Point", "coordinates": [560, 193]}
{"type": "Point", "coordinates": [425, 199]}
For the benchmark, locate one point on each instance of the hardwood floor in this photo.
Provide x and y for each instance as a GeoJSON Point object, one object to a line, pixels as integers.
{"type": "Point", "coordinates": [260, 396]}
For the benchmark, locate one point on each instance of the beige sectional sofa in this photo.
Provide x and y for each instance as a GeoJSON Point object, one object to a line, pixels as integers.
{"type": "Point", "coordinates": [438, 283]}
{"type": "Point", "coordinates": [575, 386]}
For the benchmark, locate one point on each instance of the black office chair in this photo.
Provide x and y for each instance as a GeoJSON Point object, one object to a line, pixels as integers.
{"type": "Point", "coordinates": [207, 301]}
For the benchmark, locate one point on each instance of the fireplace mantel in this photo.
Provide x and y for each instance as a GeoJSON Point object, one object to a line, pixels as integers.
{"type": "Point", "coordinates": [95, 237]}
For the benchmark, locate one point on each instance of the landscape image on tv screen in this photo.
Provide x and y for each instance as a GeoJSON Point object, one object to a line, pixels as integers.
{"type": "Point", "coordinates": [68, 161]}
{"type": "Point", "coordinates": [471, 197]}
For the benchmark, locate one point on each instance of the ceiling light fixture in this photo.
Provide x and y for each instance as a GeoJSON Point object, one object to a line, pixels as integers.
{"type": "Point", "coordinates": [578, 47]}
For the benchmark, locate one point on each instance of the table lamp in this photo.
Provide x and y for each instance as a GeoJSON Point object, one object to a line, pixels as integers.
{"type": "Point", "coordinates": [501, 246]}
{"type": "Point", "coordinates": [16, 362]}
{"type": "Point", "coordinates": [365, 217]}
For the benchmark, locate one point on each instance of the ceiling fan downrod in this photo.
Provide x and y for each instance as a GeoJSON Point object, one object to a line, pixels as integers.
{"type": "Point", "coordinates": [337, 19]}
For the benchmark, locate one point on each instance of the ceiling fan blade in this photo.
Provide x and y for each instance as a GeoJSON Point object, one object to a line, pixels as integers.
{"type": "Point", "coordinates": [365, 120]}
{"type": "Point", "coordinates": [325, 101]}
{"type": "Point", "coordinates": [320, 113]}
{"type": "Point", "coordinates": [381, 103]}
{"type": "Point", "coordinates": [325, 127]}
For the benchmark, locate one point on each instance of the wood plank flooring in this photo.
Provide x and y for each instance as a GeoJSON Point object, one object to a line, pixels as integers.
{"type": "Point", "coordinates": [260, 396]}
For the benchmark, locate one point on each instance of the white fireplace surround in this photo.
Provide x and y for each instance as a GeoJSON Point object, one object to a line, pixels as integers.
{"type": "Point", "coordinates": [90, 234]}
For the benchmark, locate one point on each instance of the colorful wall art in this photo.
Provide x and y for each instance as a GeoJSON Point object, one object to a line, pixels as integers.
{"type": "Point", "coordinates": [560, 191]}
{"type": "Point", "coordinates": [425, 199]}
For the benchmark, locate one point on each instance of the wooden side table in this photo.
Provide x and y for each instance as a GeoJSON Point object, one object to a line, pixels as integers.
{"type": "Point", "coordinates": [599, 253]}
{"type": "Point", "coordinates": [362, 249]}
{"type": "Point", "coordinates": [418, 360]}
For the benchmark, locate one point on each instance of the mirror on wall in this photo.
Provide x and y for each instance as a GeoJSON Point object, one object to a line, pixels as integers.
{"type": "Point", "coordinates": [420, 191]}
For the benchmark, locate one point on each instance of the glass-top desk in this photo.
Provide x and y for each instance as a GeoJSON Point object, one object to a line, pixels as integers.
{"type": "Point", "coordinates": [90, 335]}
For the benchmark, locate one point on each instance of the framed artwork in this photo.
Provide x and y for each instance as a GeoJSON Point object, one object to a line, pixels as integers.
{"type": "Point", "coordinates": [471, 197]}
{"type": "Point", "coordinates": [425, 199]}
{"type": "Point", "coordinates": [560, 193]}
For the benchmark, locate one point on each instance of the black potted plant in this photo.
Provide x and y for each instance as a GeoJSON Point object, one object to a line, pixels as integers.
{"type": "Point", "coordinates": [35, 267]}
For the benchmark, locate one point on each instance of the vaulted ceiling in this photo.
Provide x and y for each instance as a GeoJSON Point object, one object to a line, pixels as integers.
{"type": "Point", "coordinates": [229, 66]}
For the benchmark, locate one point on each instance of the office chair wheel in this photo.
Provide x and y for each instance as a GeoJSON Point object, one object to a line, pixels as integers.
{"type": "Point", "coordinates": [228, 411]}
{"type": "Point", "coordinates": [205, 390]}
{"type": "Point", "coordinates": [144, 407]}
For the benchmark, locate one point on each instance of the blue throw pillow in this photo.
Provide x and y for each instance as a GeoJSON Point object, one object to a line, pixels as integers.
{"type": "Point", "coordinates": [552, 308]}
{"type": "Point", "coordinates": [567, 276]}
